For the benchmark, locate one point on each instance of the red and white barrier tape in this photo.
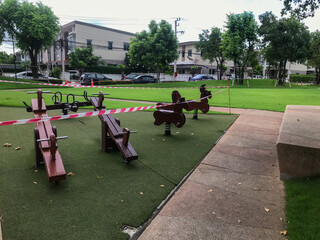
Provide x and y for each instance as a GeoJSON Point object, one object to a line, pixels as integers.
{"type": "Point", "coordinates": [83, 86]}
{"type": "Point", "coordinates": [88, 114]}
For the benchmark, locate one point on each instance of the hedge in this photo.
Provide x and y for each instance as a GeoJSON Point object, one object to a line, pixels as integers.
{"type": "Point", "coordinates": [302, 78]}
{"type": "Point", "coordinates": [107, 70]}
{"type": "Point", "coordinates": [110, 82]}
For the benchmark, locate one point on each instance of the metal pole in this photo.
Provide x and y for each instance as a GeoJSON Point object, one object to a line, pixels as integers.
{"type": "Point", "coordinates": [229, 96]}
{"type": "Point", "coordinates": [14, 60]}
{"type": "Point", "coordinates": [175, 61]}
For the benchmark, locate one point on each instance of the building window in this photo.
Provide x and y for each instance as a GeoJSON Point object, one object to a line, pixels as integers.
{"type": "Point", "coordinates": [89, 42]}
{"type": "Point", "coordinates": [190, 53]}
{"type": "Point", "coordinates": [126, 46]}
{"type": "Point", "coordinates": [110, 45]}
{"type": "Point", "coordinates": [183, 52]}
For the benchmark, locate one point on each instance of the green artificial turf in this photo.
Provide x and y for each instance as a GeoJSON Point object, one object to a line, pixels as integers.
{"type": "Point", "coordinates": [104, 194]}
{"type": "Point", "coordinates": [303, 208]}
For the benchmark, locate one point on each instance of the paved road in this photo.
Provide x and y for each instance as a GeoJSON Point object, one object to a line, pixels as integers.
{"type": "Point", "coordinates": [235, 193]}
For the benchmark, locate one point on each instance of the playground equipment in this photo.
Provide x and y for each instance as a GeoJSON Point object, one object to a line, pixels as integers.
{"type": "Point", "coordinates": [172, 113]}
{"type": "Point", "coordinates": [45, 139]}
{"type": "Point", "coordinates": [45, 136]}
{"type": "Point", "coordinates": [111, 134]}
{"type": "Point", "coordinates": [203, 105]}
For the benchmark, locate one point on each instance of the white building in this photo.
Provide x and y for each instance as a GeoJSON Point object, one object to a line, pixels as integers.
{"type": "Point", "coordinates": [111, 44]}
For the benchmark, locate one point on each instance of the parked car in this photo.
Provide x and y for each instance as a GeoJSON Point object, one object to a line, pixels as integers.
{"type": "Point", "coordinates": [74, 74]}
{"type": "Point", "coordinates": [144, 79]}
{"type": "Point", "coordinates": [202, 77]}
{"type": "Point", "coordinates": [130, 76]}
{"type": "Point", "coordinates": [28, 75]}
{"type": "Point", "coordinates": [85, 78]}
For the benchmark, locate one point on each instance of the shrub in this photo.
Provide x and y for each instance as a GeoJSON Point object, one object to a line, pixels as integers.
{"type": "Point", "coordinates": [302, 78]}
{"type": "Point", "coordinates": [108, 70]}
{"type": "Point", "coordinates": [110, 82]}
{"type": "Point", "coordinates": [56, 72]}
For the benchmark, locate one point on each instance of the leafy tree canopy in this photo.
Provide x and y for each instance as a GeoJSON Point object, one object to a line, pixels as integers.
{"type": "Point", "coordinates": [210, 45]}
{"type": "Point", "coordinates": [285, 39]}
{"type": "Point", "coordinates": [240, 39]}
{"type": "Point", "coordinates": [314, 54]}
{"type": "Point", "coordinates": [300, 8]}
{"type": "Point", "coordinates": [154, 49]}
{"type": "Point", "coordinates": [34, 26]}
{"type": "Point", "coordinates": [82, 58]}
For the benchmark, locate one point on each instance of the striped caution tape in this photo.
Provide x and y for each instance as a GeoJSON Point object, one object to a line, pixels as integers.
{"type": "Point", "coordinates": [83, 86]}
{"type": "Point", "coordinates": [88, 114]}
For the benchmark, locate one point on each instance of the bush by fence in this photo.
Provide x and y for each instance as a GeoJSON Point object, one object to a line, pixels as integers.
{"type": "Point", "coordinates": [110, 82]}
{"type": "Point", "coordinates": [302, 78]}
{"type": "Point", "coordinates": [107, 70]}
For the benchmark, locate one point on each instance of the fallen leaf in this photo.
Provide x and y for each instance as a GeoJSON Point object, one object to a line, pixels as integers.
{"type": "Point", "coordinates": [284, 233]}
{"type": "Point", "coordinates": [281, 219]}
{"type": "Point", "coordinates": [239, 183]}
{"type": "Point", "coordinates": [36, 170]}
{"type": "Point", "coordinates": [257, 189]}
{"type": "Point", "coordinates": [267, 209]}
{"type": "Point", "coordinates": [70, 174]}
{"type": "Point", "coordinates": [122, 201]}
{"type": "Point", "coordinates": [99, 177]}
{"type": "Point", "coordinates": [239, 221]}
{"type": "Point", "coordinates": [210, 190]}
{"type": "Point", "coordinates": [192, 133]}
{"type": "Point", "coordinates": [7, 144]}
{"type": "Point", "coordinates": [298, 120]}
{"type": "Point", "coordinates": [17, 148]}
{"type": "Point", "coordinates": [163, 140]}
{"type": "Point", "coordinates": [153, 139]}
{"type": "Point", "coordinates": [213, 213]}
{"type": "Point", "coordinates": [141, 193]}
{"type": "Point", "coordinates": [162, 186]}
{"type": "Point", "coordinates": [198, 145]}
{"type": "Point", "coordinates": [224, 179]}
{"type": "Point", "coordinates": [277, 133]}
{"type": "Point", "coordinates": [35, 183]}
{"type": "Point", "coordinates": [73, 226]}
{"type": "Point", "coordinates": [177, 132]}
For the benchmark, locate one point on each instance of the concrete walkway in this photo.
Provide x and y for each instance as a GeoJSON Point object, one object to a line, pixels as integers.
{"type": "Point", "coordinates": [235, 193]}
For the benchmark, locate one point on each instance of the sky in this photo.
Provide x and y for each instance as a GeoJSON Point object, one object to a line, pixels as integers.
{"type": "Point", "coordinates": [134, 16]}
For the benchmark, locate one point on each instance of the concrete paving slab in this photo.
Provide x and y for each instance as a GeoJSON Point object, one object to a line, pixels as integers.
{"type": "Point", "coordinates": [267, 156]}
{"type": "Point", "coordinates": [176, 228]}
{"type": "Point", "coordinates": [257, 187]}
{"type": "Point", "coordinates": [195, 201]}
{"type": "Point", "coordinates": [241, 165]}
{"type": "Point", "coordinates": [256, 141]}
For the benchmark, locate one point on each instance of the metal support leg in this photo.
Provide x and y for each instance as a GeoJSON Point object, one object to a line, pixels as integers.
{"type": "Point", "coordinates": [195, 114]}
{"type": "Point", "coordinates": [167, 129]}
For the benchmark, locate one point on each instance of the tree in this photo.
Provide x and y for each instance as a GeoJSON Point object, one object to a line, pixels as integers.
{"type": "Point", "coordinates": [286, 39]}
{"type": "Point", "coordinates": [34, 26]}
{"type": "Point", "coordinates": [82, 58]}
{"type": "Point", "coordinates": [300, 8]}
{"type": "Point", "coordinates": [239, 41]}
{"type": "Point", "coordinates": [210, 45]}
{"type": "Point", "coordinates": [154, 49]}
{"type": "Point", "coordinates": [314, 54]}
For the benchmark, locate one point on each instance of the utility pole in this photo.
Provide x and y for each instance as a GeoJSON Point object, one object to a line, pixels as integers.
{"type": "Point", "coordinates": [176, 24]}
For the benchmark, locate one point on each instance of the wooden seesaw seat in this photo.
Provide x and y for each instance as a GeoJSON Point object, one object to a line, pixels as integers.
{"type": "Point", "coordinates": [46, 147]}
{"type": "Point", "coordinates": [112, 135]}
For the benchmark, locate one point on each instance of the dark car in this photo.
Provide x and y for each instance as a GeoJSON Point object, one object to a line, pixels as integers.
{"type": "Point", "coordinates": [85, 78]}
{"type": "Point", "coordinates": [144, 79]}
{"type": "Point", "coordinates": [201, 77]}
{"type": "Point", "coordinates": [130, 76]}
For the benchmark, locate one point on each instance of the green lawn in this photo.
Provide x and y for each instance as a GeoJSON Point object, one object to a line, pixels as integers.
{"type": "Point", "coordinates": [104, 194]}
{"type": "Point", "coordinates": [303, 208]}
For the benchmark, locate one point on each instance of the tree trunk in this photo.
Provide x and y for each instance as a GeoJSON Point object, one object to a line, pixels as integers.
{"type": "Point", "coordinates": [34, 65]}
{"type": "Point", "coordinates": [317, 76]}
{"type": "Point", "coordinates": [158, 74]}
{"type": "Point", "coordinates": [282, 72]}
